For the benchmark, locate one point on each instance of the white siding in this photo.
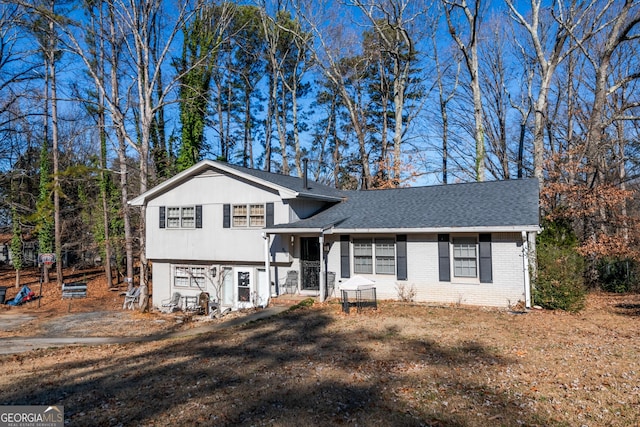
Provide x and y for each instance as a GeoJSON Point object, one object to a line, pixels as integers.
{"type": "Point", "coordinates": [161, 290]}
{"type": "Point", "coordinates": [212, 242]}
{"type": "Point", "coordinates": [164, 286]}
{"type": "Point", "coordinates": [423, 276]}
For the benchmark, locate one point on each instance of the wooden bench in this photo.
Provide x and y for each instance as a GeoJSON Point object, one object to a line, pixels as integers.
{"type": "Point", "coordinates": [74, 290]}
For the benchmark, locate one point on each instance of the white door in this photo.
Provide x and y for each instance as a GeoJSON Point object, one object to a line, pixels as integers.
{"type": "Point", "coordinates": [245, 290]}
{"type": "Point", "coordinates": [263, 289]}
{"type": "Point", "coordinates": [228, 294]}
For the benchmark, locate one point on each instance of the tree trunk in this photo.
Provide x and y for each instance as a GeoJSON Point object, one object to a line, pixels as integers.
{"type": "Point", "coordinates": [56, 162]}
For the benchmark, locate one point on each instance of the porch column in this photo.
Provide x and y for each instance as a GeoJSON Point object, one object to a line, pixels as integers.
{"type": "Point", "coordinates": [267, 258]}
{"type": "Point", "coordinates": [322, 269]}
{"type": "Point", "coordinates": [525, 269]}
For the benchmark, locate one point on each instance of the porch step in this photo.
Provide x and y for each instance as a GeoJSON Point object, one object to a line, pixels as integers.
{"type": "Point", "coordinates": [289, 300]}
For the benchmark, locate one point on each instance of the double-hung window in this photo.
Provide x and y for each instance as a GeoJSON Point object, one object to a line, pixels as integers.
{"type": "Point", "coordinates": [240, 216]}
{"type": "Point", "coordinates": [362, 256]}
{"type": "Point", "coordinates": [173, 217]}
{"type": "Point", "coordinates": [256, 216]}
{"type": "Point", "coordinates": [366, 254]}
{"type": "Point", "coordinates": [252, 215]}
{"type": "Point", "coordinates": [385, 256]}
{"type": "Point", "coordinates": [465, 260]}
{"type": "Point", "coordinates": [189, 277]}
{"type": "Point", "coordinates": [188, 217]}
{"type": "Point", "coordinates": [181, 216]}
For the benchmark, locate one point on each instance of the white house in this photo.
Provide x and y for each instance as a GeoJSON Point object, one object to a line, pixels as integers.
{"type": "Point", "coordinates": [245, 236]}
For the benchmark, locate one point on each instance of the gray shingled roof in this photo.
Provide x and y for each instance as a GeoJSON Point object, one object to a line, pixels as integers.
{"type": "Point", "coordinates": [508, 203]}
{"type": "Point", "coordinates": [292, 183]}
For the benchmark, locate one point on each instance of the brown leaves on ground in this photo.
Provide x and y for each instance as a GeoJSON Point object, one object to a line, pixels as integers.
{"type": "Point", "coordinates": [404, 364]}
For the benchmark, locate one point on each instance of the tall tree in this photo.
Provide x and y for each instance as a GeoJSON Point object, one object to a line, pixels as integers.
{"type": "Point", "coordinates": [16, 244]}
{"type": "Point", "coordinates": [445, 70]}
{"type": "Point", "coordinates": [203, 35]}
{"type": "Point", "coordinates": [337, 57]}
{"type": "Point", "coordinates": [548, 40]}
{"type": "Point", "coordinates": [463, 21]}
{"type": "Point", "coordinates": [393, 22]}
{"type": "Point", "coordinates": [494, 81]}
{"type": "Point", "coordinates": [150, 33]}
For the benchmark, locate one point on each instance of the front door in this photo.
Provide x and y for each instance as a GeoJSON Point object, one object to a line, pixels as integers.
{"type": "Point", "coordinates": [310, 263]}
{"type": "Point", "coordinates": [244, 283]}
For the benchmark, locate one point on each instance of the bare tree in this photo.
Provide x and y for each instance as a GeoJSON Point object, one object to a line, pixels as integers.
{"type": "Point", "coordinates": [549, 44]}
{"type": "Point", "coordinates": [136, 28]}
{"type": "Point", "coordinates": [395, 23]}
{"type": "Point", "coordinates": [445, 69]}
{"type": "Point", "coordinates": [524, 105]}
{"type": "Point", "coordinates": [469, 25]}
{"type": "Point", "coordinates": [495, 79]}
{"type": "Point", "coordinates": [336, 57]}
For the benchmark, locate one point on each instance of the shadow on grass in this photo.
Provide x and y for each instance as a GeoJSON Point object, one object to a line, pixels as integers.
{"type": "Point", "coordinates": [628, 309]}
{"type": "Point", "coordinates": [300, 368]}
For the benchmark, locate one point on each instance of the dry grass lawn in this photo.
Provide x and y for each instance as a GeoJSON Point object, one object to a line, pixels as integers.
{"type": "Point", "coordinates": [404, 364]}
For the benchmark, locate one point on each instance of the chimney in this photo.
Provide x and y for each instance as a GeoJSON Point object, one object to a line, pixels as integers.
{"type": "Point", "coordinates": [305, 178]}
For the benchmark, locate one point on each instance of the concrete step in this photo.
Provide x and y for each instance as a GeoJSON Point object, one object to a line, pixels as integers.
{"type": "Point", "coordinates": [289, 300]}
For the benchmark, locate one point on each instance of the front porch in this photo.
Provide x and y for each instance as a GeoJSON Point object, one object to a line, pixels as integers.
{"type": "Point", "coordinates": [288, 300]}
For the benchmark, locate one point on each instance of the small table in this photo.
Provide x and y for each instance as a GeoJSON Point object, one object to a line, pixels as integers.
{"type": "Point", "coordinates": [190, 303]}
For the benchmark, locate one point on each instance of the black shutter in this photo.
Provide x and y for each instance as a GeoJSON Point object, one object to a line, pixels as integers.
{"type": "Point", "coordinates": [444, 263]}
{"type": "Point", "coordinates": [163, 217]}
{"type": "Point", "coordinates": [226, 216]}
{"type": "Point", "coordinates": [269, 219]}
{"type": "Point", "coordinates": [401, 256]}
{"type": "Point", "coordinates": [198, 216]}
{"type": "Point", "coordinates": [486, 271]}
{"type": "Point", "coordinates": [345, 271]}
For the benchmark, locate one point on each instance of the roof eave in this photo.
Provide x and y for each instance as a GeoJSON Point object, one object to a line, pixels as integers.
{"type": "Point", "coordinates": [310, 230]}
{"type": "Point", "coordinates": [415, 230]}
{"type": "Point", "coordinates": [284, 192]}
{"type": "Point", "coordinates": [412, 230]}
{"type": "Point", "coordinates": [321, 197]}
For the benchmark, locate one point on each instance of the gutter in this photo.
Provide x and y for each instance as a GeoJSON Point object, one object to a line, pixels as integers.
{"type": "Point", "coordinates": [525, 269]}
{"type": "Point", "coordinates": [395, 230]}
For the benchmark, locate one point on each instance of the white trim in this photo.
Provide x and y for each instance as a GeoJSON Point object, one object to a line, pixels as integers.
{"type": "Point", "coordinates": [426, 230]}
{"type": "Point", "coordinates": [525, 268]}
{"type": "Point", "coordinates": [285, 193]}
{"type": "Point", "coordinates": [413, 230]}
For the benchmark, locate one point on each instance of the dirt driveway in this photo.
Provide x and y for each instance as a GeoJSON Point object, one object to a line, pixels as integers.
{"type": "Point", "coordinates": [50, 321]}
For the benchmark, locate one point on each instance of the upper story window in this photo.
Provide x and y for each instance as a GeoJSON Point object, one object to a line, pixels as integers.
{"type": "Point", "coordinates": [181, 216]}
{"type": "Point", "coordinates": [188, 217]}
{"type": "Point", "coordinates": [252, 215]}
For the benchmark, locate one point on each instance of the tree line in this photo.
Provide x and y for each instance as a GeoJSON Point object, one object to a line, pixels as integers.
{"type": "Point", "coordinates": [102, 99]}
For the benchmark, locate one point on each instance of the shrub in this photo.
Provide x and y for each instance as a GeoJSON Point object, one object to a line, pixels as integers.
{"type": "Point", "coordinates": [559, 283]}
{"type": "Point", "coordinates": [617, 275]}
{"type": "Point", "coordinates": [406, 293]}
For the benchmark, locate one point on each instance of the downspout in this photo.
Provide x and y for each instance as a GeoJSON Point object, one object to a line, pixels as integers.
{"type": "Point", "coordinates": [525, 269]}
{"type": "Point", "coordinates": [323, 272]}
{"type": "Point", "coordinates": [267, 259]}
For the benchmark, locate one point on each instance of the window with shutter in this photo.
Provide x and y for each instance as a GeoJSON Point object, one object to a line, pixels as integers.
{"type": "Point", "coordinates": [443, 258]}
{"type": "Point", "coordinates": [401, 256]}
{"type": "Point", "coordinates": [486, 269]}
{"type": "Point", "coordinates": [226, 216]}
{"type": "Point", "coordinates": [345, 270]}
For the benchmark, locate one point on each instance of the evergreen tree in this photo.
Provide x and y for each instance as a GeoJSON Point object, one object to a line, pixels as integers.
{"type": "Point", "coordinates": [202, 38]}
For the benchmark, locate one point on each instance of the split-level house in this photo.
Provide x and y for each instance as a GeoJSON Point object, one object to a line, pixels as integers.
{"type": "Point", "coordinates": [245, 236]}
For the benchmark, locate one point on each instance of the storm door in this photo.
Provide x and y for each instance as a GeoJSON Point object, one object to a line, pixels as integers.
{"type": "Point", "coordinates": [310, 263]}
